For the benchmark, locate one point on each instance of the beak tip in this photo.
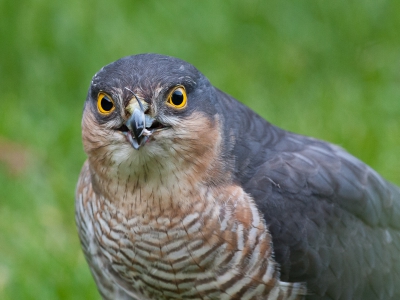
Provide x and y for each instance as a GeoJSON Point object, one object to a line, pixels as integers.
{"type": "Point", "coordinates": [136, 124]}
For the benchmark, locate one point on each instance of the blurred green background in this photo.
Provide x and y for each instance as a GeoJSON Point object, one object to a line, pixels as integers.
{"type": "Point", "coordinates": [329, 69]}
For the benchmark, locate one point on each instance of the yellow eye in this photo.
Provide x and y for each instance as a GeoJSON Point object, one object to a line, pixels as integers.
{"type": "Point", "coordinates": [105, 104]}
{"type": "Point", "coordinates": [177, 98]}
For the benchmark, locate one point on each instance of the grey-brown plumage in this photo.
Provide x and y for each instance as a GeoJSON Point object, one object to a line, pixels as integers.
{"type": "Point", "coordinates": [187, 194]}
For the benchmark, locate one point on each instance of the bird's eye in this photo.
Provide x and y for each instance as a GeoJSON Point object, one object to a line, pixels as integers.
{"type": "Point", "coordinates": [177, 98]}
{"type": "Point", "coordinates": [105, 104]}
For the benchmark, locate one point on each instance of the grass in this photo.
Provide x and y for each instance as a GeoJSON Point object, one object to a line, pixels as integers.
{"type": "Point", "coordinates": [325, 69]}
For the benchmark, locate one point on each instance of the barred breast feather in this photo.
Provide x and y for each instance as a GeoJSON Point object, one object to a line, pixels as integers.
{"type": "Point", "coordinates": [219, 249]}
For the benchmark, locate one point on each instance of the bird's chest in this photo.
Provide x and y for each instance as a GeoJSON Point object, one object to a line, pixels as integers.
{"type": "Point", "coordinates": [159, 252]}
{"type": "Point", "coordinates": [190, 253]}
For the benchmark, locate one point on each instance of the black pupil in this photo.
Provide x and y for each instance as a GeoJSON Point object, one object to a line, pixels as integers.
{"type": "Point", "coordinates": [177, 97]}
{"type": "Point", "coordinates": [106, 104]}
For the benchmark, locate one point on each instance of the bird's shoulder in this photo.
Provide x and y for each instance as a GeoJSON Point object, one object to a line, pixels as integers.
{"type": "Point", "coordinates": [275, 165]}
{"type": "Point", "coordinates": [322, 206]}
{"type": "Point", "coordinates": [297, 168]}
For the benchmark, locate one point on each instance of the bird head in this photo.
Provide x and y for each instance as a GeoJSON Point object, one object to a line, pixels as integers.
{"type": "Point", "coordinates": [150, 108]}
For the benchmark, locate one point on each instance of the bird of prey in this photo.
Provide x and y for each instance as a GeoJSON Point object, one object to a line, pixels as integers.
{"type": "Point", "coordinates": [188, 194]}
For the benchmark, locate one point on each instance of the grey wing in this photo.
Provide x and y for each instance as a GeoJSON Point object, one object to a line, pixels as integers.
{"type": "Point", "coordinates": [335, 222]}
{"type": "Point", "coordinates": [97, 262]}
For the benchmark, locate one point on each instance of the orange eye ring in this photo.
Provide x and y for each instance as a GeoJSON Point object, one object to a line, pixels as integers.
{"type": "Point", "coordinates": [177, 98]}
{"type": "Point", "coordinates": [105, 104]}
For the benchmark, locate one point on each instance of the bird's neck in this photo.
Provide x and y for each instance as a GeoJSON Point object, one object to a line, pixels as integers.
{"type": "Point", "coordinates": [154, 185]}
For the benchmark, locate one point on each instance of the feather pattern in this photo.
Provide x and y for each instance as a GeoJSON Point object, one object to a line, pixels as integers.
{"type": "Point", "coordinates": [334, 221]}
{"type": "Point", "coordinates": [220, 204]}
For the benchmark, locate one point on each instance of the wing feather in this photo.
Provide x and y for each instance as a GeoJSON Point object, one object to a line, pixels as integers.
{"type": "Point", "coordinates": [335, 222]}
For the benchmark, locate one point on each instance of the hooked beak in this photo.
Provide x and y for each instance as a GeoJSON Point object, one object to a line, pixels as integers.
{"type": "Point", "coordinates": [136, 125]}
{"type": "Point", "coordinates": [140, 125]}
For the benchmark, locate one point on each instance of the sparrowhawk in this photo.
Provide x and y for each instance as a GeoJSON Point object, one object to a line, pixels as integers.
{"type": "Point", "coordinates": [188, 194]}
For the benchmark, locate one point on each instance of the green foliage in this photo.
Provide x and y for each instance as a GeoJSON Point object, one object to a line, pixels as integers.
{"type": "Point", "coordinates": [329, 69]}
